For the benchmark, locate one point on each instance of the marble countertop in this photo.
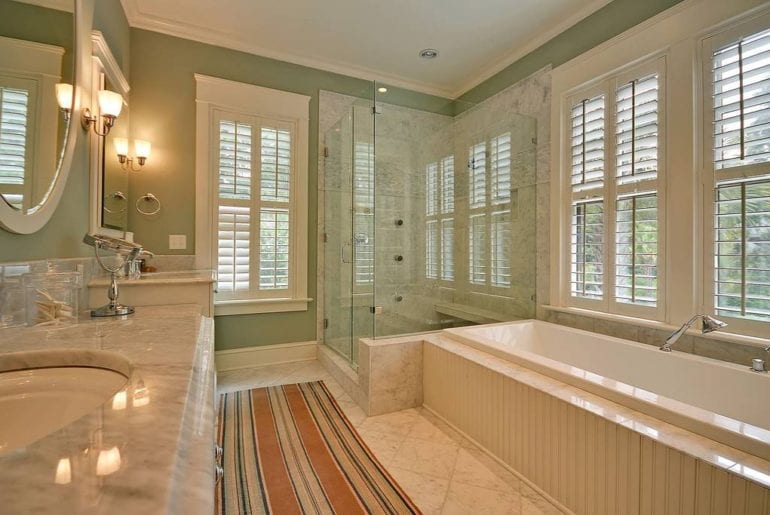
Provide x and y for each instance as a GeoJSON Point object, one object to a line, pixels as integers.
{"type": "Point", "coordinates": [148, 449]}
{"type": "Point", "coordinates": [180, 277]}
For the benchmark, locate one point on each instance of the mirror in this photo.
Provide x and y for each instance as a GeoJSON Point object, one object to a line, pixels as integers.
{"type": "Point", "coordinates": [110, 175]}
{"type": "Point", "coordinates": [38, 50]}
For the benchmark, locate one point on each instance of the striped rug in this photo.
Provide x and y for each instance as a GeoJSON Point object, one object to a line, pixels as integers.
{"type": "Point", "coordinates": [290, 449]}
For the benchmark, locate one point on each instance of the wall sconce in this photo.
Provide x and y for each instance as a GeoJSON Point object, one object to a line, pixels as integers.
{"type": "Point", "coordinates": [64, 98]}
{"type": "Point", "coordinates": [110, 105]}
{"type": "Point", "coordinates": [141, 151]}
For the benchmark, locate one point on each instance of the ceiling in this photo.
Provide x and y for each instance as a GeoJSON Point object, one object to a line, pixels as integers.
{"type": "Point", "coordinates": [377, 40]}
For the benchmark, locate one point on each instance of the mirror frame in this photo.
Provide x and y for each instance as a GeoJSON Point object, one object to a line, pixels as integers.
{"type": "Point", "coordinates": [103, 62]}
{"type": "Point", "coordinates": [29, 222]}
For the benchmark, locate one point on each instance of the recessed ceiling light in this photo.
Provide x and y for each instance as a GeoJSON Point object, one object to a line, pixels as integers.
{"type": "Point", "coordinates": [429, 53]}
{"type": "Point", "coordinates": [382, 90]}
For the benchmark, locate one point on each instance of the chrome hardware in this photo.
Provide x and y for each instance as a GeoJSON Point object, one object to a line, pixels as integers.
{"type": "Point", "coordinates": [360, 239]}
{"type": "Point", "coordinates": [219, 473]}
{"type": "Point", "coordinates": [129, 252]}
{"type": "Point", "coordinates": [399, 222]}
{"type": "Point", "coordinates": [758, 365]}
{"type": "Point", "coordinates": [218, 453]}
{"type": "Point", "coordinates": [710, 324]}
{"type": "Point", "coordinates": [399, 298]}
{"type": "Point", "coordinates": [399, 258]}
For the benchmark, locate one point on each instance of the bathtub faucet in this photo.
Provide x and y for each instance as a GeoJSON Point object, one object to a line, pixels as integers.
{"type": "Point", "coordinates": [710, 324]}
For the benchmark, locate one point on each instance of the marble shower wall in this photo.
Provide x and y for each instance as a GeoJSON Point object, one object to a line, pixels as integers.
{"type": "Point", "coordinates": [406, 140]}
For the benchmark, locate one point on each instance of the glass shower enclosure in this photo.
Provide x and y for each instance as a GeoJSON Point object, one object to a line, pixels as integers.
{"type": "Point", "coordinates": [428, 215]}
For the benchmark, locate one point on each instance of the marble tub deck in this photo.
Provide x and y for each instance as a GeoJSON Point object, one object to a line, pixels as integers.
{"type": "Point", "coordinates": [439, 469]}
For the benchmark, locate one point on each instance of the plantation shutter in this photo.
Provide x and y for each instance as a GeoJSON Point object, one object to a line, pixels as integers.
{"type": "Point", "coordinates": [741, 151]}
{"type": "Point", "coordinates": [636, 204]}
{"type": "Point", "coordinates": [14, 131]}
{"type": "Point", "coordinates": [439, 228]}
{"type": "Point", "coordinates": [587, 168]}
{"type": "Point", "coordinates": [255, 162]}
{"type": "Point", "coordinates": [363, 216]}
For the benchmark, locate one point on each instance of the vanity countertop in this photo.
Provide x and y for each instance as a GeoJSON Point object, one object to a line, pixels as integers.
{"type": "Point", "coordinates": [160, 278]}
{"type": "Point", "coordinates": [151, 451]}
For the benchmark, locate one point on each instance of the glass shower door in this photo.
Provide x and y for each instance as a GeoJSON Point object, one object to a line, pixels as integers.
{"type": "Point", "coordinates": [348, 196]}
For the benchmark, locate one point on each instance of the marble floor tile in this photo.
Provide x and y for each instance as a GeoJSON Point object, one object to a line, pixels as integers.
{"type": "Point", "coordinates": [440, 470]}
{"type": "Point", "coordinates": [463, 499]}
{"type": "Point", "coordinates": [422, 456]}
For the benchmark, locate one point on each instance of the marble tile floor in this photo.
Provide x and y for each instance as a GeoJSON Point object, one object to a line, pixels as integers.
{"type": "Point", "coordinates": [439, 469]}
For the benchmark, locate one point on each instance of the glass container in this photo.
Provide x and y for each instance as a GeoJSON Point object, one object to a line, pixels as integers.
{"type": "Point", "coordinates": [52, 298]}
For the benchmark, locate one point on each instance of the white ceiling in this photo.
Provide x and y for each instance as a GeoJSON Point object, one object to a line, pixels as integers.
{"type": "Point", "coordinates": [377, 40]}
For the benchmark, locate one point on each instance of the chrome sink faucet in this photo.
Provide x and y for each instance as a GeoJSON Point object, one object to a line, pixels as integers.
{"type": "Point", "coordinates": [710, 324]}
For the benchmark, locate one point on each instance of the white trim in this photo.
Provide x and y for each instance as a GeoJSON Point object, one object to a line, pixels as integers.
{"type": "Point", "coordinates": [138, 19]}
{"type": "Point", "coordinates": [259, 356]}
{"type": "Point", "coordinates": [248, 306]}
{"type": "Point", "coordinates": [214, 94]}
{"type": "Point", "coordinates": [206, 35]}
{"type": "Point", "coordinates": [489, 70]}
{"type": "Point", "coordinates": [33, 220]}
{"type": "Point", "coordinates": [676, 33]}
{"type": "Point", "coordinates": [103, 65]}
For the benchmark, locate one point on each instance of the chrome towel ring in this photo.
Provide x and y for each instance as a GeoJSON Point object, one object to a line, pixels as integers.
{"type": "Point", "coordinates": [117, 195]}
{"type": "Point", "coordinates": [149, 198]}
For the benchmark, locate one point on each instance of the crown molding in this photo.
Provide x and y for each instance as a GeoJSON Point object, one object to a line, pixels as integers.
{"type": "Point", "coordinates": [490, 70]}
{"type": "Point", "coordinates": [139, 20]}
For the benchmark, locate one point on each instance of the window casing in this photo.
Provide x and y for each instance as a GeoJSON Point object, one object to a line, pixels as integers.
{"type": "Point", "coordinates": [251, 207]}
{"type": "Point", "coordinates": [614, 144]}
{"type": "Point", "coordinates": [439, 219]}
{"type": "Point", "coordinates": [736, 169]}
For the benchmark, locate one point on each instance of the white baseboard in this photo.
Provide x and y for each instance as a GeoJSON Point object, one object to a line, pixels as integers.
{"type": "Point", "coordinates": [249, 357]}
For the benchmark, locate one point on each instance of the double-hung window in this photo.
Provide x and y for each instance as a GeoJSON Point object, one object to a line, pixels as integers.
{"type": "Point", "coordinates": [737, 172]}
{"type": "Point", "coordinates": [252, 172]}
{"type": "Point", "coordinates": [439, 219]}
{"type": "Point", "coordinates": [489, 227]}
{"type": "Point", "coordinates": [615, 164]}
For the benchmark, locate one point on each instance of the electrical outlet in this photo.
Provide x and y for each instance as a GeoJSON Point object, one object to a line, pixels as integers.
{"type": "Point", "coordinates": [177, 241]}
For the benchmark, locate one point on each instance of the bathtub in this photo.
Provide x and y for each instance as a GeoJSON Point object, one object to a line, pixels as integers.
{"type": "Point", "coordinates": [721, 401]}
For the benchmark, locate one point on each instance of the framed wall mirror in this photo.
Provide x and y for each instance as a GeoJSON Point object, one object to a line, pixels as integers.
{"type": "Point", "coordinates": [40, 89]}
{"type": "Point", "coordinates": [109, 171]}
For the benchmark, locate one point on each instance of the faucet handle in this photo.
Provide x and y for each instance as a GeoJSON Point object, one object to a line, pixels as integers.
{"type": "Point", "coordinates": [758, 365]}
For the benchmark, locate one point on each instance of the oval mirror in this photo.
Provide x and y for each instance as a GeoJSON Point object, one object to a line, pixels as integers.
{"type": "Point", "coordinates": [41, 49]}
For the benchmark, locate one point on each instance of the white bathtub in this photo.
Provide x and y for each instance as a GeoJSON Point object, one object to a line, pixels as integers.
{"type": "Point", "coordinates": [722, 401]}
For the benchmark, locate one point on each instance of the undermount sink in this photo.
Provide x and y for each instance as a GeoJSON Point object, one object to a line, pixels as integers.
{"type": "Point", "coordinates": [43, 391]}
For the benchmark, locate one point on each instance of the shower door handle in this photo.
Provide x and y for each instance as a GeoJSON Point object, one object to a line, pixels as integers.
{"type": "Point", "coordinates": [347, 253]}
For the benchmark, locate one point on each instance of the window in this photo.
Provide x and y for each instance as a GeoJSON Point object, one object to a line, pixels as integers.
{"type": "Point", "coordinates": [738, 162]}
{"type": "Point", "coordinates": [252, 181]}
{"type": "Point", "coordinates": [439, 221]}
{"type": "Point", "coordinates": [490, 208]}
{"type": "Point", "coordinates": [14, 152]}
{"type": "Point", "coordinates": [363, 217]}
{"type": "Point", "coordinates": [614, 160]}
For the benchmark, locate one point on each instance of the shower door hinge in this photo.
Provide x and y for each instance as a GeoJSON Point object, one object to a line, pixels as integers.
{"type": "Point", "coordinates": [326, 237]}
{"type": "Point", "coordinates": [376, 109]}
{"type": "Point", "coordinates": [326, 323]}
{"type": "Point", "coordinates": [326, 151]}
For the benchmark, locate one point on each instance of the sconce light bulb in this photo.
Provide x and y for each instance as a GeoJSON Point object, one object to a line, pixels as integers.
{"type": "Point", "coordinates": [110, 104]}
{"type": "Point", "coordinates": [121, 146]}
{"type": "Point", "coordinates": [64, 95]}
{"type": "Point", "coordinates": [142, 149]}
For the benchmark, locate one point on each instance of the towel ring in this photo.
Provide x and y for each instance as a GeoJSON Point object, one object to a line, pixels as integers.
{"type": "Point", "coordinates": [117, 195]}
{"type": "Point", "coordinates": [148, 197]}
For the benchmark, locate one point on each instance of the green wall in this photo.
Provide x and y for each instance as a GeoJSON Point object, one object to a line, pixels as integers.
{"type": "Point", "coordinates": [606, 23]}
{"type": "Point", "coordinates": [163, 112]}
{"type": "Point", "coordinates": [162, 105]}
{"type": "Point", "coordinates": [62, 236]}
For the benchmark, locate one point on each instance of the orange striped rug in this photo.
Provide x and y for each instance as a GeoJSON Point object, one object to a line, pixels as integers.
{"type": "Point", "coordinates": [290, 449]}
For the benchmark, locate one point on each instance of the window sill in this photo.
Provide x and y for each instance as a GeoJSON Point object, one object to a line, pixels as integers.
{"type": "Point", "coordinates": [743, 339]}
{"type": "Point", "coordinates": [256, 306]}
